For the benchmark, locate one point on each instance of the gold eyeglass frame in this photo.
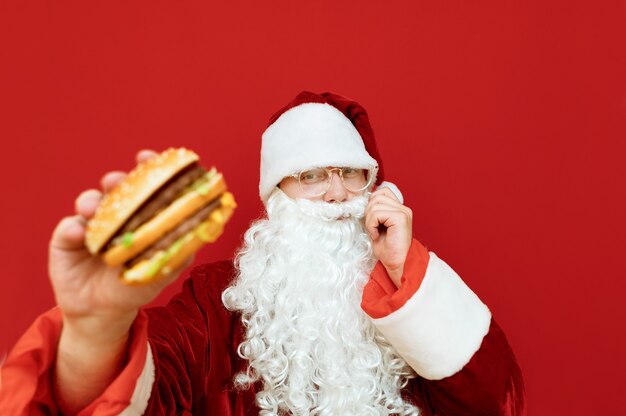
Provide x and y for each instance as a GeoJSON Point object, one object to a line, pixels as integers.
{"type": "Point", "coordinates": [329, 172]}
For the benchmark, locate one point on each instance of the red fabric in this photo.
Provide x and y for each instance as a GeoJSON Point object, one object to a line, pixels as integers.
{"type": "Point", "coordinates": [352, 110]}
{"type": "Point", "coordinates": [26, 374]}
{"type": "Point", "coordinates": [381, 297]}
{"type": "Point", "coordinates": [117, 396]}
{"type": "Point", "coordinates": [490, 384]}
{"type": "Point", "coordinates": [194, 341]}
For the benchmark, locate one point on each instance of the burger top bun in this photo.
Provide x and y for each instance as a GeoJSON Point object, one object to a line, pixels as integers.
{"type": "Point", "coordinates": [122, 201]}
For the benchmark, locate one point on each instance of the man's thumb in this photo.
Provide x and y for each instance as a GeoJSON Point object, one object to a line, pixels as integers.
{"type": "Point", "coordinates": [69, 234]}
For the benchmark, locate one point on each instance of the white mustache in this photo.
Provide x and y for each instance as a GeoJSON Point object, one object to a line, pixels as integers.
{"type": "Point", "coordinates": [325, 211]}
{"type": "Point", "coordinates": [332, 211]}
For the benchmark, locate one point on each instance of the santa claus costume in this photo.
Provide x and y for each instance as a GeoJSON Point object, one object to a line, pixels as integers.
{"type": "Point", "coordinates": [304, 321]}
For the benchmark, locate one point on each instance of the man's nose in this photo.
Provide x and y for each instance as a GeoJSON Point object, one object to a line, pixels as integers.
{"type": "Point", "coordinates": [337, 192]}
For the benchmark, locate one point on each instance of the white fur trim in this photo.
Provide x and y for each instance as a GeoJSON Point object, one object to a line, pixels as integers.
{"type": "Point", "coordinates": [306, 136]}
{"type": "Point", "coordinates": [143, 388]}
{"type": "Point", "coordinates": [440, 328]}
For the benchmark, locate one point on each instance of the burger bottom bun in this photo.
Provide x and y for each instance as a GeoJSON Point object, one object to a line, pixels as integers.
{"type": "Point", "coordinates": [206, 232]}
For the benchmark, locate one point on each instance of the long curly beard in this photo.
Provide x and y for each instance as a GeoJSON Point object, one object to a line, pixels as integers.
{"type": "Point", "coordinates": [301, 274]}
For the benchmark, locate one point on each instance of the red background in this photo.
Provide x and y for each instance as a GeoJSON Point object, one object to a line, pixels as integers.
{"type": "Point", "coordinates": [502, 122]}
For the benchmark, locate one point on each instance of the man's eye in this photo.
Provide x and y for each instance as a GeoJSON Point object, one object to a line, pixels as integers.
{"type": "Point", "coordinates": [351, 172]}
{"type": "Point", "coordinates": [311, 176]}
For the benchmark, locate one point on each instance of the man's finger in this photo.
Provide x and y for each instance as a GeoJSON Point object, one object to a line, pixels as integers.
{"type": "Point", "coordinates": [373, 232]}
{"type": "Point", "coordinates": [393, 189]}
{"type": "Point", "coordinates": [87, 203]}
{"type": "Point", "coordinates": [111, 179]}
{"type": "Point", "coordinates": [145, 154]}
{"type": "Point", "coordinates": [380, 201]}
{"type": "Point", "coordinates": [386, 199]}
{"type": "Point", "coordinates": [384, 205]}
{"type": "Point", "coordinates": [69, 234]}
{"type": "Point", "coordinates": [387, 192]}
{"type": "Point", "coordinates": [386, 216]}
{"type": "Point", "coordinates": [374, 219]}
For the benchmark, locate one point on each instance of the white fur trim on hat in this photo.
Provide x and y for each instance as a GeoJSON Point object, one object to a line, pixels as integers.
{"type": "Point", "coordinates": [307, 136]}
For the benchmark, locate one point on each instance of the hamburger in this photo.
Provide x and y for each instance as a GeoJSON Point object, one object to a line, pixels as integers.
{"type": "Point", "coordinates": [164, 211]}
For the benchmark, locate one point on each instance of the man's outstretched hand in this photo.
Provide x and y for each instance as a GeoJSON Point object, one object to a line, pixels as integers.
{"type": "Point", "coordinates": [98, 309]}
{"type": "Point", "coordinates": [84, 286]}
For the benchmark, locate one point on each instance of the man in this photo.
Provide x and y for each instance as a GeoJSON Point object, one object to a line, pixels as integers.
{"type": "Point", "coordinates": [330, 308]}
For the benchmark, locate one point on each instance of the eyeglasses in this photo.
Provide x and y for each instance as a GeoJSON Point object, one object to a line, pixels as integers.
{"type": "Point", "coordinates": [316, 182]}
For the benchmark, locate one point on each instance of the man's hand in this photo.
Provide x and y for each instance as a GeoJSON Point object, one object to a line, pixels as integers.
{"type": "Point", "coordinates": [98, 309]}
{"type": "Point", "coordinates": [86, 289]}
{"type": "Point", "coordinates": [390, 225]}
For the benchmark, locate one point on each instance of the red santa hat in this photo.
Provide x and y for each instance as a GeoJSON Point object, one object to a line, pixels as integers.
{"type": "Point", "coordinates": [317, 130]}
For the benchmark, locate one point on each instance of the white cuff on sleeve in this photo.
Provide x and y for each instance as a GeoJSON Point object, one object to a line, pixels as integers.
{"type": "Point", "coordinates": [143, 388]}
{"type": "Point", "coordinates": [438, 330]}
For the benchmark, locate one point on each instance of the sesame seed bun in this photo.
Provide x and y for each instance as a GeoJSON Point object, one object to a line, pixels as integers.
{"type": "Point", "coordinates": [124, 200]}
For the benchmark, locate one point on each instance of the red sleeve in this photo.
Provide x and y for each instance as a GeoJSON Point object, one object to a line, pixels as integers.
{"type": "Point", "coordinates": [491, 384]}
{"type": "Point", "coordinates": [381, 297]}
{"type": "Point", "coordinates": [433, 320]}
{"type": "Point", "coordinates": [193, 346]}
{"type": "Point", "coordinates": [26, 375]}
{"type": "Point", "coordinates": [169, 369]}
{"type": "Point", "coordinates": [179, 340]}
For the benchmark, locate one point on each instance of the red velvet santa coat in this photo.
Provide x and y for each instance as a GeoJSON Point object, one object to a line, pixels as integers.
{"type": "Point", "coordinates": [182, 357]}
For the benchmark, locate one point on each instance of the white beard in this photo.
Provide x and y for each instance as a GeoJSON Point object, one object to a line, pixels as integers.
{"type": "Point", "coordinates": [301, 274]}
